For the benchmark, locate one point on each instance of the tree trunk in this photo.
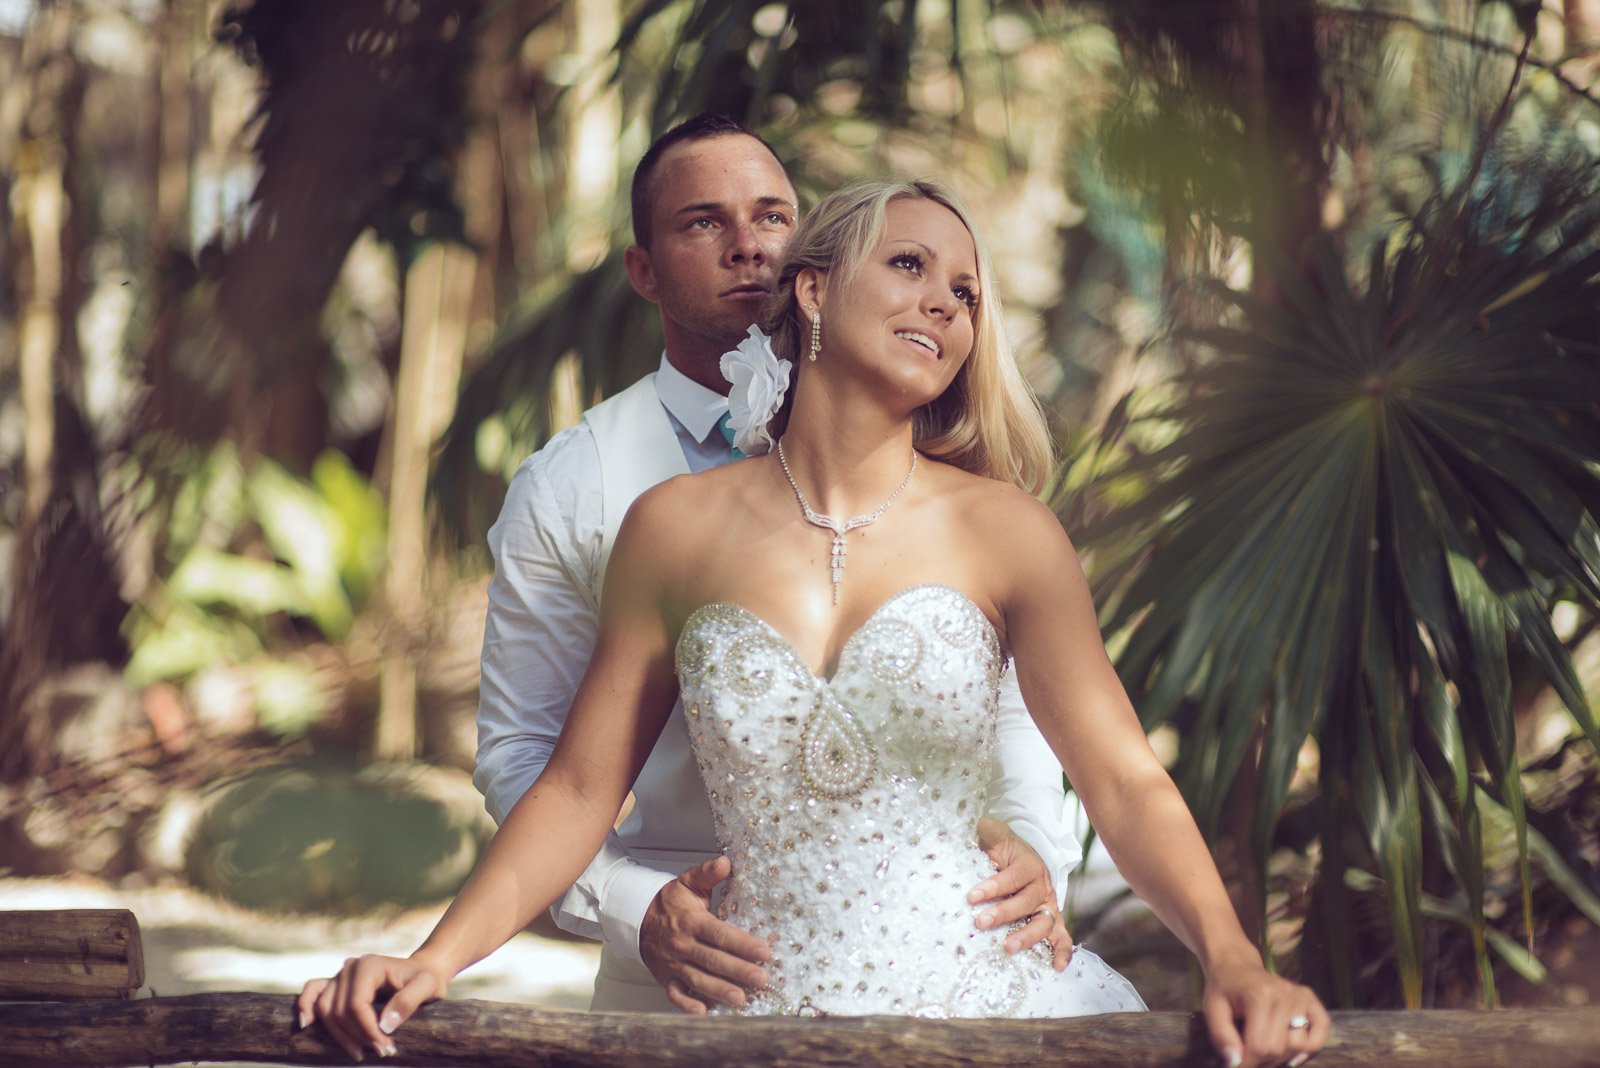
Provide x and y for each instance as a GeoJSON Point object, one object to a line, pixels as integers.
{"type": "Point", "coordinates": [592, 137]}
{"type": "Point", "coordinates": [1291, 112]}
{"type": "Point", "coordinates": [438, 296]}
{"type": "Point", "coordinates": [174, 119]}
{"type": "Point", "coordinates": [64, 601]}
{"type": "Point", "coordinates": [42, 207]}
{"type": "Point", "coordinates": [260, 1028]}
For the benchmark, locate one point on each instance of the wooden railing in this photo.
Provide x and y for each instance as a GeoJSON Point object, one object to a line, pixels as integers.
{"type": "Point", "coordinates": [96, 954]}
{"type": "Point", "coordinates": [260, 1027]}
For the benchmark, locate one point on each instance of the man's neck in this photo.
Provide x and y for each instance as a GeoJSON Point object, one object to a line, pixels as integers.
{"type": "Point", "coordinates": [701, 367]}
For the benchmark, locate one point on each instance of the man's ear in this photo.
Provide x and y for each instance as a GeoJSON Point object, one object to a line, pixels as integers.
{"type": "Point", "coordinates": [641, 272]}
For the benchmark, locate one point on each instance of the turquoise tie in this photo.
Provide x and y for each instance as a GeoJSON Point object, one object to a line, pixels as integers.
{"type": "Point", "coordinates": [725, 424]}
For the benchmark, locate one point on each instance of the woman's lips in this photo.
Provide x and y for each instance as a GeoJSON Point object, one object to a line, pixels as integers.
{"type": "Point", "coordinates": [924, 343]}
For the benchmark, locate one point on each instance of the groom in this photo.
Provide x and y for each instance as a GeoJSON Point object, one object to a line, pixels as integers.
{"type": "Point", "coordinates": [713, 211]}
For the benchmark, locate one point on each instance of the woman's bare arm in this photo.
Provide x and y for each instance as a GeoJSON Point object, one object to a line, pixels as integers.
{"type": "Point", "coordinates": [1082, 710]}
{"type": "Point", "coordinates": [551, 834]}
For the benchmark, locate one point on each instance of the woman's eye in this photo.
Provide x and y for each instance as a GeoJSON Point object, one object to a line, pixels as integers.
{"type": "Point", "coordinates": [966, 296]}
{"type": "Point", "coordinates": [908, 261]}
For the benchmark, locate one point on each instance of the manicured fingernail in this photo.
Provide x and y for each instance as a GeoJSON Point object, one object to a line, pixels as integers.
{"type": "Point", "coordinates": [1299, 1059]}
{"type": "Point", "coordinates": [390, 1021]}
{"type": "Point", "coordinates": [388, 1050]}
{"type": "Point", "coordinates": [975, 895]}
{"type": "Point", "coordinates": [1233, 1057]}
{"type": "Point", "coordinates": [985, 922]}
{"type": "Point", "coordinates": [1012, 945]}
{"type": "Point", "coordinates": [305, 1019]}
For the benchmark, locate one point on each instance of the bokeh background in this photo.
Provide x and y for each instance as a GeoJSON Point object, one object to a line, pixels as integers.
{"type": "Point", "coordinates": [1310, 291]}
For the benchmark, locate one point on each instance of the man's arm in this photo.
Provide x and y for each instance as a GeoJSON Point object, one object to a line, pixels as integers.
{"type": "Point", "coordinates": [538, 636]}
{"type": "Point", "coordinates": [1028, 791]}
{"type": "Point", "coordinates": [1033, 848]}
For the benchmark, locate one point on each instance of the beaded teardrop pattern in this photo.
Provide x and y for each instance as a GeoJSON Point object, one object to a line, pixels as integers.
{"type": "Point", "coordinates": [836, 759]}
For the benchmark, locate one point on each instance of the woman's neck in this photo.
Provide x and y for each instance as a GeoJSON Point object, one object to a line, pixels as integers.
{"type": "Point", "coordinates": [846, 455]}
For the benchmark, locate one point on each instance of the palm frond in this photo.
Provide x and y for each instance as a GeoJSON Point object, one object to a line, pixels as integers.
{"type": "Point", "coordinates": [1374, 494]}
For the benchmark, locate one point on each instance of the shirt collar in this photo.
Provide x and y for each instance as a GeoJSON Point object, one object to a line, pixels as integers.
{"type": "Point", "coordinates": [696, 408]}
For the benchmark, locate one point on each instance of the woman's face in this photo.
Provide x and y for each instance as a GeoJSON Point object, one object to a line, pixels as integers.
{"type": "Point", "coordinates": [907, 317]}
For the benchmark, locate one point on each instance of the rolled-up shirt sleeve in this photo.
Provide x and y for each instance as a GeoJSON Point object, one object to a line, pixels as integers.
{"type": "Point", "coordinates": [543, 618]}
{"type": "Point", "coordinates": [1028, 791]}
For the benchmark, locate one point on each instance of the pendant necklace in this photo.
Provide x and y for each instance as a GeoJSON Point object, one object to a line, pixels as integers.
{"type": "Point", "coordinates": [839, 527]}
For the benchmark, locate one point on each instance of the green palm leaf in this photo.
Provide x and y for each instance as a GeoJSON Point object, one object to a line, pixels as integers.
{"type": "Point", "coordinates": [1374, 493]}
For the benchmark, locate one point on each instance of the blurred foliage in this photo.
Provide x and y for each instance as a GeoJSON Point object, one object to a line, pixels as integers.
{"type": "Point", "coordinates": [314, 551]}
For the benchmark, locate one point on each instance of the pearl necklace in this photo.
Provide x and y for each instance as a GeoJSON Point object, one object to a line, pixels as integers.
{"type": "Point", "coordinates": [840, 528]}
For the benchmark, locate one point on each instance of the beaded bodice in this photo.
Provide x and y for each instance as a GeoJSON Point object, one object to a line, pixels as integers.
{"type": "Point", "coordinates": [849, 805]}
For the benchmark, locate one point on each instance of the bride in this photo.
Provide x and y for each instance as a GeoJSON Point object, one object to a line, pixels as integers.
{"type": "Point", "coordinates": [836, 613]}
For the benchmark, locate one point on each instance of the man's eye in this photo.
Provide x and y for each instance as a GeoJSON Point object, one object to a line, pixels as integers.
{"type": "Point", "coordinates": [778, 217]}
{"type": "Point", "coordinates": [700, 224]}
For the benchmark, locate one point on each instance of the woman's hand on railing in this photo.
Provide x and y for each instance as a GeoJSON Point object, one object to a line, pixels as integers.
{"type": "Point", "coordinates": [344, 1003]}
{"type": "Point", "coordinates": [1282, 1022]}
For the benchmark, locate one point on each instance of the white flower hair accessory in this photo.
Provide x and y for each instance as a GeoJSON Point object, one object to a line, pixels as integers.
{"type": "Point", "coordinates": [759, 380]}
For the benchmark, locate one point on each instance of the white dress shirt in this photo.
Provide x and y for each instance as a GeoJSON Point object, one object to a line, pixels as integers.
{"type": "Point", "coordinates": [541, 629]}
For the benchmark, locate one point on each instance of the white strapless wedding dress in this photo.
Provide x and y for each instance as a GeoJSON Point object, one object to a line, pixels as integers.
{"type": "Point", "coordinates": [849, 807]}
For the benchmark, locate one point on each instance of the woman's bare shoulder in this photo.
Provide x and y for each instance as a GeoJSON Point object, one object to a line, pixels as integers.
{"type": "Point", "coordinates": [675, 514]}
{"type": "Point", "coordinates": [664, 507]}
{"type": "Point", "coordinates": [992, 503]}
{"type": "Point", "coordinates": [675, 523]}
{"type": "Point", "coordinates": [1015, 536]}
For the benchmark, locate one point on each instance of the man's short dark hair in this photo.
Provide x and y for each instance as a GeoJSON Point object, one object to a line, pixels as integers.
{"type": "Point", "coordinates": [702, 127]}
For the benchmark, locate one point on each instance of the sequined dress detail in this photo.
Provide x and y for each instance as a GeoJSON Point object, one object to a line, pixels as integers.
{"type": "Point", "coordinates": [850, 805]}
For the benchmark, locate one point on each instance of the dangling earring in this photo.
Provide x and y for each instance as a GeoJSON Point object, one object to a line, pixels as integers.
{"type": "Point", "coordinates": [816, 334]}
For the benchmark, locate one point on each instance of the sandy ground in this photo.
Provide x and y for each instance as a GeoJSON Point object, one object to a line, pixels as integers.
{"type": "Point", "coordinates": [196, 943]}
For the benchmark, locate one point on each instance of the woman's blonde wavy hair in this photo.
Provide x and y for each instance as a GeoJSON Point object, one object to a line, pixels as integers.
{"type": "Point", "coordinates": [988, 421]}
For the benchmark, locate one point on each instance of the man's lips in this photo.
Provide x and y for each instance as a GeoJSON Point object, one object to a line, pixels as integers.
{"type": "Point", "coordinates": [749, 291]}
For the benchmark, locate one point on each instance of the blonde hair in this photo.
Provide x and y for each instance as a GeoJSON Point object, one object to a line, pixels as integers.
{"type": "Point", "coordinates": [988, 421]}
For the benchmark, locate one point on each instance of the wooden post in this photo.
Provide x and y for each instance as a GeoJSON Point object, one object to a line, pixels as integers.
{"type": "Point", "coordinates": [260, 1028]}
{"type": "Point", "coordinates": [59, 954]}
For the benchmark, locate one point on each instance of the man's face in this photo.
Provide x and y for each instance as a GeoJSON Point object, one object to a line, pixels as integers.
{"type": "Point", "coordinates": [722, 215]}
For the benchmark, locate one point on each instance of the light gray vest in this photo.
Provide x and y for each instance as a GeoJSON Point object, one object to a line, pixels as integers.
{"type": "Point", "coordinates": [638, 449]}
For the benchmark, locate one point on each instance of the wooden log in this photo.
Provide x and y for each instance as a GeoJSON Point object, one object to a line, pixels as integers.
{"type": "Point", "coordinates": [67, 954]}
{"type": "Point", "coordinates": [260, 1028]}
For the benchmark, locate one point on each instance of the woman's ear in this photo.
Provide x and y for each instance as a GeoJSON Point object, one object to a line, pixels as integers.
{"type": "Point", "coordinates": [808, 290]}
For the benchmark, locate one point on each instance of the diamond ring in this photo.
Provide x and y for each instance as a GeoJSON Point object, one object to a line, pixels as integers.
{"type": "Point", "coordinates": [1299, 1021]}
